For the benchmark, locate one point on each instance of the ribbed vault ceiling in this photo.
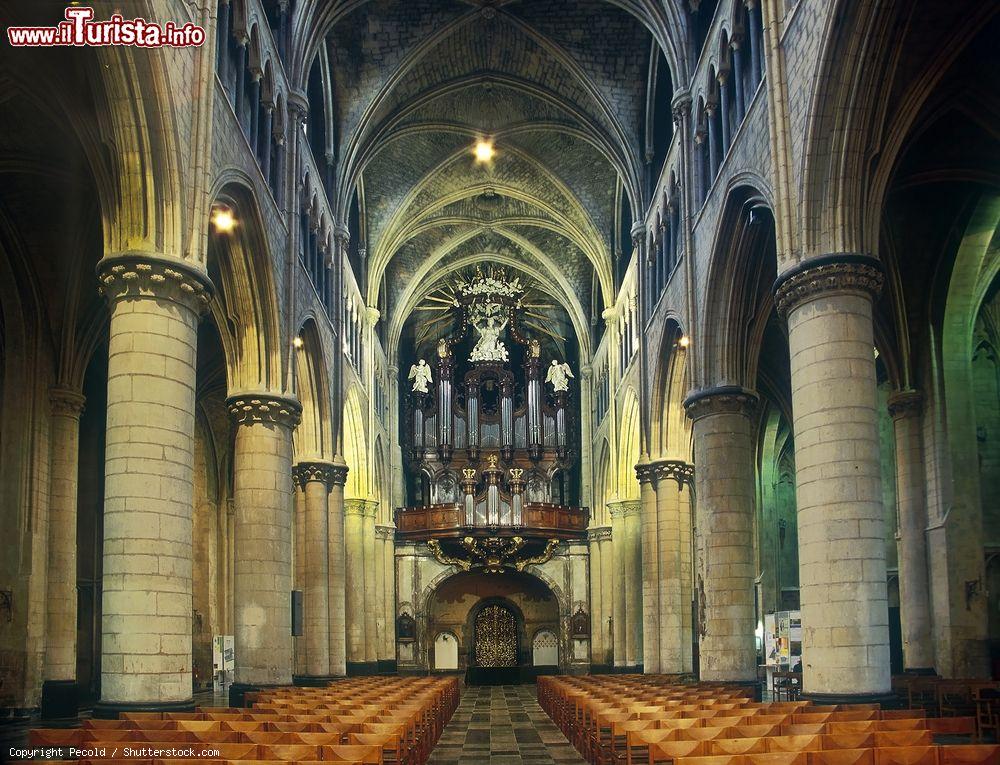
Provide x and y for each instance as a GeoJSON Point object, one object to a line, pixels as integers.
{"type": "Point", "coordinates": [559, 86]}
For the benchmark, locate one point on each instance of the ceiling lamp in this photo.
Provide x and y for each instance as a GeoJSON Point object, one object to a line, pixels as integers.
{"type": "Point", "coordinates": [223, 219]}
{"type": "Point", "coordinates": [484, 151]}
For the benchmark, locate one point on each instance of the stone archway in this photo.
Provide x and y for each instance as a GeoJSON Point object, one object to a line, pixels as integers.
{"type": "Point", "coordinates": [461, 604]}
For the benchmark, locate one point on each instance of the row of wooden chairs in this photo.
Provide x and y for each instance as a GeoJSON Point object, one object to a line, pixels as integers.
{"type": "Point", "coordinates": [367, 721]}
{"type": "Point", "coordinates": [647, 720]}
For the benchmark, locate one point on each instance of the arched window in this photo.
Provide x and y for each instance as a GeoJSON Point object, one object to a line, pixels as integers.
{"type": "Point", "coordinates": [701, 141]}
{"type": "Point", "coordinates": [702, 14]}
{"type": "Point", "coordinates": [660, 124]}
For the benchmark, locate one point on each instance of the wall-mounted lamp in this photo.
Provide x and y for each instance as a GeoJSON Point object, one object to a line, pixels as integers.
{"type": "Point", "coordinates": [297, 342]}
{"type": "Point", "coordinates": [684, 341]}
{"type": "Point", "coordinates": [223, 219]}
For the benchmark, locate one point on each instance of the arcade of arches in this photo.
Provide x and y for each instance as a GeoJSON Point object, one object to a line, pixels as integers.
{"type": "Point", "coordinates": [500, 337]}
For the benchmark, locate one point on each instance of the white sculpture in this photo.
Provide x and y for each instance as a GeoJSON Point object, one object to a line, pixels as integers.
{"type": "Point", "coordinates": [420, 373]}
{"type": "Point", "coordinates": [489, 347]}
{"type": "Point", "coordinates": [559, 375]}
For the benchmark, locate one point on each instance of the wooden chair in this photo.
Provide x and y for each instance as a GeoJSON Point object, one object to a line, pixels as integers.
{"type": "Point", "coordinates": [721, 759]}
{"type": "Point", "coordinates": [860, 726]}
{"type": "Point", "coordinates": [969, 754]}
{"type": "Point", "coordinates": [644, 742]}
{"type": "Point", "coordinates": [803, 729]}
{"type": "Point", "coordinates": [778, 758]}
{"type": "Point", "coordinates": [897, 738]}
{"type": "Point", "coordinates": [795, 743]}
{"type": "Point", "coordinates": [737, 746]}
{"type": "Point", "coordinates": [848, 741]}
{"type": "Point", "coordinates": [369, 755]}
{"type": "Point", "coordinates": [906, 755]}
{"type": "Point", "coordinates": [953, 726]}
{"type": "Point", "coordinates": [864, 756]}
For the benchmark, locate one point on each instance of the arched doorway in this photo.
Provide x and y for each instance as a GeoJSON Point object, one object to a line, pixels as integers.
{"type": "Point", "coordinates": [496, 636]}
{"type": "Point", "coordinates": [493, 619]}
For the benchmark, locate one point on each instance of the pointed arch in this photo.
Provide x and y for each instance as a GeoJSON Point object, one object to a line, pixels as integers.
{"type": "Point", "coordinates": [355, 445]}
{"type": "Point", "coordinates": [313, 438]}
{"type": "Point", "coordinates": [629, 449]}
{"type": "Point", "coordinates": [245, 308]}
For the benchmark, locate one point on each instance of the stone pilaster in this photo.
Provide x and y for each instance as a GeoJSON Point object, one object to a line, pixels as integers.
{"type": "Point", "coordinates": [911, 504]}
{"type": "Point", "coordinates": [616, 511]}
{"type": "Point", "coordinates": [149, 482]}
{"type": "Point", "coordinates": [299, 567]}
{"type": "Point", "coordinates": [358, 637]}
{"type": "Point", "coordinates": [650, 568]}
{"type": "Point", "coordinates": [600, 609]}
{"type": "Point", "coordinates": [371, 598]}
{"type": "Point", "coordinates": [724, 451]}
{"type": "Point", "coordinates": [675, 571]}
{"type": "Point", "coordinates": [314, 480]}
{"type": "Point", "coordinates": [262, 495]}
{"type": "Point", "coordinates": [827, 303]}
{"type": "Point", "coordinates": [59, 697]}
{"type": "Point", "coordinates": [338, 571]}
{"type": "Point", "coordinates": [631, 553]}
{"type": "Point", "coordinates": [386, 546]}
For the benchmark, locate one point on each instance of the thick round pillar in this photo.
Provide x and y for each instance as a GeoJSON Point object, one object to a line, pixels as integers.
{"type": "Point", "coordinates": [911, 505]}
{"type": "Point", "coordinates": [338, 572]}
{"type": "Point", "coordinates": [262, 495]}
{"type": "Point", "coordinates": [59, 693]}
{"type": "Point", "coordinates": [357, 633]}
{"type": "Point", "coordinates": [842, 574]}
{"type": "Point", "coordinates": [616, 511]}
{"type": "Point", "coordinates": [724, 449]}
{"type": "Point", "coordinates": [314, 480]}
{"type": "Point", "coordinates": [650, 568]}
{"type": "Point", "coordinates": [149, 483]}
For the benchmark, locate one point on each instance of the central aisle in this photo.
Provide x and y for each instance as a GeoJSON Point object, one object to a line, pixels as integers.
{"type": "Point", "coordinates": [502, 725]}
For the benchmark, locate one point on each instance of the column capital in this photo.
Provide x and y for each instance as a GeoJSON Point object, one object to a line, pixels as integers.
{"type": "Point", "coordinates": [258, 408]}
{"type": "Point", "coordinates": [598, 533]}
{"type": "Point", "coordinates": [133, 275]}
{"type": "Point", "coordinates": [835, 273]}
{"type": "Point", "coordinates": [682, 472]}
{"type": "Point", "coordinates": [624, 508]}
{"type": "Point", "coordinates": [905, 403]}
{"type": "Point", "coordinates": [319, 471]}
{"type": "Point", "coordinates": [722, 399]}
{"type": "Point", "coordinates": [66, 402]}
{"type": "Point", "coordinates": [362, 507]}
{"type": "Point", "coordinates": [645, 472]}
{"type": "Point", "coordinates": [681, 106]}
{"type": "Point", "coordinates": [298, 105]}
{"type": "Point", "coordinates": [342, 234]}
{"type": "Point", "coordinates": [338, 474]}
{"type": "Point", "coordinates": [387, 533]}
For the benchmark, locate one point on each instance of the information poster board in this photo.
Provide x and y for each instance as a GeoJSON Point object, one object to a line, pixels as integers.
{"type": "Point", "coordinates": [783, 640]}
{"type": "Point", "coordinates": [223, 663]}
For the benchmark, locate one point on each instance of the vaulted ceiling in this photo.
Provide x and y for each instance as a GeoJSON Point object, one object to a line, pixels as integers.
{"type": "Point", "coordinates": [558, 86]}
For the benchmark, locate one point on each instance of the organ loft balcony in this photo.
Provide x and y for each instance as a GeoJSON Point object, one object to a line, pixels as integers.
{"type": "Point", "coordinates": [493, 439]}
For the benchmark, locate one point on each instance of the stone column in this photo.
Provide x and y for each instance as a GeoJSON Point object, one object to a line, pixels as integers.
{"type": "Point", "coordinates": [607, 596]}
{"type": "Point", "coordinates": [911, 503]}
{"type": "Point", "coordinates": [371, 599]}
{"type": "Point", "coordinates": [315, 480]}
{"type": "Point", "coordinates": [615, 510]}
{"type": "Point", "coordinates": [337, 570]}
{"type": "Point", "coordinates": [633, 582]}
{"type": "Point", "coordinates": [262, 495]}
{"type": "Point", "coordinates": [387, 541]}
{"type": "Point", "coordinates": [357, 633]}
{"type": "Point", "coordinates": [674, 569]}
{"type": "Point", "coordinates": [827, 302]}
{"type": "Point", "coordinates": [299, 561]}
{"type": "Point", "coordinates": [149, 482]}
{"type": "Point", "coordinates": [650, 572]}
{"type": "Point", "coordinates": [59, 692]}
{"type": "Point", "coordinates": [724, 450]}
{"type": "Point", "coordinates": [685, 501]}
{"type": "Point", "coordinates": [598, 606]}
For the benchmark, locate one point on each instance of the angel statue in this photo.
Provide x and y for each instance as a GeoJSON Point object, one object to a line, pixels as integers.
{"type": "Point", "coordinates": [489, 347]}
{"type": "Point", "coordinates": [559, 375]}
{"type": "Point", "coordinates": [420, 373]}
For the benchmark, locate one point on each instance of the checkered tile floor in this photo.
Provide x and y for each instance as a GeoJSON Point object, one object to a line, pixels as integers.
{"type": "Point", "coordinates": [502, 725]}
